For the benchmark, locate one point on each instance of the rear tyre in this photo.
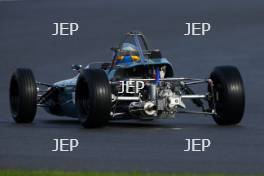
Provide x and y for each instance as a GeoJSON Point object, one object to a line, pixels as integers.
{"type": "Point", "coordinates": [23, 96]}
{"type": "Point", "coordinates": [93, 98]}
{"type": "Point", "coordinates": [229, 95]}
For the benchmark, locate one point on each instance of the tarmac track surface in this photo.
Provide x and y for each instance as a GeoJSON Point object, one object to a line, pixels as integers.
{"type": "Point", "coordinates": [236, 38]}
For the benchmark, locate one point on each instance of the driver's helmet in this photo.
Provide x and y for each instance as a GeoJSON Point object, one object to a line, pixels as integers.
{"type": "Point", "coordinates": [128, 47]}
{"type": "Point", "coordinates": [128, 53]}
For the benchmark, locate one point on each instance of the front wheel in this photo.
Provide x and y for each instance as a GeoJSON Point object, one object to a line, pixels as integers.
{"type": "Point", "coordinates": [23, 96]}
{"type": "Point", "coordinates": [229, 94]}
{"type": "Point", "coordinates": [93, 98]}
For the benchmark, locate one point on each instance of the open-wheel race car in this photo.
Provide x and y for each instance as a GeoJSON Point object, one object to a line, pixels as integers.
{"type": "Point", "coordinates": [138, 84]}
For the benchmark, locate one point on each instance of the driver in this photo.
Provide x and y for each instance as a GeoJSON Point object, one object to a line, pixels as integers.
{"type": "Point", "coordinates": [128, 53]}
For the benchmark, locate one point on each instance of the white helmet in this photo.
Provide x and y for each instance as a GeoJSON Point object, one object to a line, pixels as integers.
{"type": "Point", "coordinates": [128, 47]}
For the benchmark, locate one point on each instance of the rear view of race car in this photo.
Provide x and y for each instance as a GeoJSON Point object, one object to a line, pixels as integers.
{"type": "Point", "coordinates": [139, 84]}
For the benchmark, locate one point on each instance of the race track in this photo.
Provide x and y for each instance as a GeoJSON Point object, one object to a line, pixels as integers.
{"type": "Point", "coordinates": [236, 38]}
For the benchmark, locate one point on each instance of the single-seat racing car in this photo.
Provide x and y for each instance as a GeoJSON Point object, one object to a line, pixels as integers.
{"type": "Point", "coordinates": [138, 84]}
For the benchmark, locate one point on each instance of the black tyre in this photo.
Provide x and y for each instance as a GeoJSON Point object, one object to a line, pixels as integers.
{"type": "Point", "coordinates": [23, 96]}
{"type": "Point", "coordinates": [229, 95]}
{"type": "Point", "coordinates": [93, 98]}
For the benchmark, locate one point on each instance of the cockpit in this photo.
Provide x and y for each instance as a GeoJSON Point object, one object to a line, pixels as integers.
{"type": "Point", "coordinates": [133, 58]}
{"type": "Point", "coordinates": [127, 53]}
{"type": "Point", "coordinates": [133, 48]}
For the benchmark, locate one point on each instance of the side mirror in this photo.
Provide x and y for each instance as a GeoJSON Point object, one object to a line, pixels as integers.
{"type": "Point", "coordinates": [76, 67]}
{"type": "Point", "coordinates": [155, 54]}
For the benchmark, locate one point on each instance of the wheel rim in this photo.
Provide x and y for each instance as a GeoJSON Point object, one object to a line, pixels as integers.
{"type": "Point", "coordinates": [219, 97]}
{"type": "Point", "coordinates": [14, 96]}
{"type": "Point", "coordinates": [84, 99]}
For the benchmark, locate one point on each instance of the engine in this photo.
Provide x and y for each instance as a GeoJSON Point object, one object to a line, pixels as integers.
{"type": "Point", "coordinates": [159, 100]}
{"type": "Point", "coordinates": [148, 96]}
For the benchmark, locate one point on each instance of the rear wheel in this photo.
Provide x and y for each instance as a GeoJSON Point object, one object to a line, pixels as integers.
{"type": "Point", "coordinates": [93, 98]}
{"type": "Point", "coordinates": [229, 95]}
{"type": "Point", "coordinates": [23, 96]}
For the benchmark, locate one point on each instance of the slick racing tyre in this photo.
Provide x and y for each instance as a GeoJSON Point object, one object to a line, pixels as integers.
{"type": "Point", "coordinates": [229, 95]}
{"type": "Point", "coordinates": [23, 96]}
{"type": "Point", "coordinates": [93, 98]}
